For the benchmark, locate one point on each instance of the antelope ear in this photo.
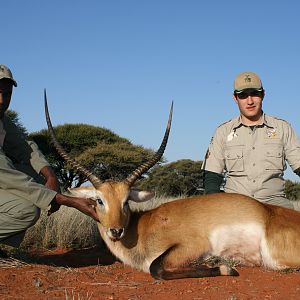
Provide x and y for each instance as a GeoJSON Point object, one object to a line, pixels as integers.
{"type": "Point", "coordinates": [83, 191]}
{"type": "Point", "coordinates": [140, 196]}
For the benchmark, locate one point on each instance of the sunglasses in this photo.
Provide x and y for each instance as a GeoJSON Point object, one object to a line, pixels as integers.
{"type": "Point", "coordinates": [246, 94]}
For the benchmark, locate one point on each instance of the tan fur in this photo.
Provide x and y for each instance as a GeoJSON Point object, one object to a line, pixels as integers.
{"type": "Point", "coordinates": [228, 225]}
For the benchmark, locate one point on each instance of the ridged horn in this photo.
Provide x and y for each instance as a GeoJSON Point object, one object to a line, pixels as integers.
{"type": "Point", "coordinates": [156, 157]}
{"type": "Point", "coordinates": [95, 181]}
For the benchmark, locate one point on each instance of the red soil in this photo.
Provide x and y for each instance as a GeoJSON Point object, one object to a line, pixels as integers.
{"type": "Point", "coordinates": [94, 274]}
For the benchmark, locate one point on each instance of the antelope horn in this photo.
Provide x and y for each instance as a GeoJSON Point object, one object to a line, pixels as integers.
{"type": "Point", "coordinates": [86, 173]}
{"type": "Point", "coordinates": [156, 157]}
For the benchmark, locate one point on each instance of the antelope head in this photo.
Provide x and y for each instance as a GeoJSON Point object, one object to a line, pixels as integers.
{"type": "Point", "coordinates": [111, 196]}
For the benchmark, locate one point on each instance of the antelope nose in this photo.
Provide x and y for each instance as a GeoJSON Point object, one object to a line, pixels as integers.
{"type": "Point", "coordinates": [116, 232]}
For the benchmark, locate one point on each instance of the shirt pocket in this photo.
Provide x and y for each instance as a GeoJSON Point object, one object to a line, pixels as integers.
{"type": "Point", "coordinates": [274, 158]}
{"type": "Point", "coordinates": [234, 160]}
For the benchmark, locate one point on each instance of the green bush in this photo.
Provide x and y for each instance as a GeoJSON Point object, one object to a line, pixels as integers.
{"type": "Point", "coordinates": [182, 177]}
{"type": "Point", "coordinates": [292, 190]}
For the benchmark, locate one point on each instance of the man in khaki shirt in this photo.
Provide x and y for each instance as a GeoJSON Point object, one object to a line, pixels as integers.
{"type": "Point", "coordinates": [252, 149]}
{"type": "Point", "coordinates": [27, 182]}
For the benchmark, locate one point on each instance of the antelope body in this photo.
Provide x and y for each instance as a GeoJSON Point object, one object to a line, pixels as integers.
{"type": "Point", "coordinates": [176, 239]}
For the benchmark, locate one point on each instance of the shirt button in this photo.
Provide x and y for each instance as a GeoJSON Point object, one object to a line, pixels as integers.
{"type": "Point", "coordinates": [253, 148]}
{"type": "Point", "coordinates": [253, 165]}
{"type": "Point", "coordinates": [254, 180]}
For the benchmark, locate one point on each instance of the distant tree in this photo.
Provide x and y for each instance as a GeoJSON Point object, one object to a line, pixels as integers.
{"type": "Point", "coordinates": [182, 177]}
{"type": "Point", "coordinates": [98, 149]}
{"type": "Point", "coordinates": [292, 190]}
{"type": "Point", "coordinates": [14, 116]}
{"type": "Point", "coordinates": [115, 160]}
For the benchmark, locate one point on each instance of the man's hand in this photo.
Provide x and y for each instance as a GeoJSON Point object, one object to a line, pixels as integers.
{"type": "Point", "coordinates": [85, 205]}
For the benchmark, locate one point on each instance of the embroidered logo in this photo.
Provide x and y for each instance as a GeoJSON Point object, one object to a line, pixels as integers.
{"type": "Point", "coordinates": [247, 78]}
{"type": "Point", "coordinates": [271, 133]}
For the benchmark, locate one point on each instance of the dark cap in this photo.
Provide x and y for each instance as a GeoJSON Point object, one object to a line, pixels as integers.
{"type": "Point", "coordinates": [5, 73]}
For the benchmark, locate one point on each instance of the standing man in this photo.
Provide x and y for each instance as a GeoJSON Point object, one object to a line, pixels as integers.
{"type": "Point", "coordinates": [27, 182]}
{"type": "Point", "coordinates": [252, 149]}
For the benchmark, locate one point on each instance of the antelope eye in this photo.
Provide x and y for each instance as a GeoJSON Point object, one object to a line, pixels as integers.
{"type": "Point", "coordinates": [126, 204]}
{"type": "Point", "coordinates": [99, 201]}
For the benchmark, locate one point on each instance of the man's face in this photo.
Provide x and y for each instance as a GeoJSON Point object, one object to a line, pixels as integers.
{"type": "Point", "coordinates": [250, 105]}
{"type": "Point", "coordinates": [6, 87]}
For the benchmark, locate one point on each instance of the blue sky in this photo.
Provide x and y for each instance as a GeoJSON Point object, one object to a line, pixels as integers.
{"type": "Point", "coordinates": [119, 64]}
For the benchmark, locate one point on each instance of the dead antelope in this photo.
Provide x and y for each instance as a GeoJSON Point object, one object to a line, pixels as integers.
{"type": "Point", "coordinates": [176, 239]}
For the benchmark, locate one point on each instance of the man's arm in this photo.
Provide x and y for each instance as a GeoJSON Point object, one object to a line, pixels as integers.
{"type": "Point", "coordinates": [214, 164]}
{"type": "Point", "coordinates": [23, 186]}
{"type": "Point", "coordinates": [50, 178]}
{"type": "Point", "coordinates": [291, 147]}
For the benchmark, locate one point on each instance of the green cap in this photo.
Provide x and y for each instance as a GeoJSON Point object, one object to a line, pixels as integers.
{"type": "Point", "coordinates": [5, 72]}
{"type": "Point", "coordinates": [247, 80]}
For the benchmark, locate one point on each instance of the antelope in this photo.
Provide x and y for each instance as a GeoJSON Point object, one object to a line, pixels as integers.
{"type": "Point", "coordinates": [176, 239]}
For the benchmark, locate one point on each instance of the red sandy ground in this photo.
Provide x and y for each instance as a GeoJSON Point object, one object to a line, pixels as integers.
{"type": "Point", "coordinates": [94, 274]}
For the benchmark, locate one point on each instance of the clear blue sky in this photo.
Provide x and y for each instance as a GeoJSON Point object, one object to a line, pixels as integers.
{"type": "Point", "coordinates": [119, 64]}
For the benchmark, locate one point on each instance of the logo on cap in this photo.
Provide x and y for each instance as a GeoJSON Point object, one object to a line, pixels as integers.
{"type": "Point", "coordinates": [247, 78]}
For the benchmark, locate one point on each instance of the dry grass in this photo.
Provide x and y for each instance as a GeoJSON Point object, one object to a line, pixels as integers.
{"type": "Point", "coordinates": [11, 263]}
{"type": "Point", "coordinates": [67, 228]}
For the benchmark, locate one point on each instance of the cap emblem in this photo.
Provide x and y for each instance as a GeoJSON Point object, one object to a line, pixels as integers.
{"type": "Point", "coordinates": [247, 78]}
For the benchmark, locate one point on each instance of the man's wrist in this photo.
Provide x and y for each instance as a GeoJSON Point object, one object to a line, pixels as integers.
{"type": "Point", "coordinates": [60, 199]}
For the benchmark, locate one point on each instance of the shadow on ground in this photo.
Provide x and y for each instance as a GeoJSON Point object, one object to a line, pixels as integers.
{"type": "Point", "coordinates": [74, 258]}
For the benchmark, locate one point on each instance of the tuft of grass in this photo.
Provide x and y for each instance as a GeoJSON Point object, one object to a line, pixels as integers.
{"type": "Point", "coordinates": [213, 261]}
{"type": "Point", "coordinates": [290, 270]}
{"type": "Point", "coordinates": [67, 228]}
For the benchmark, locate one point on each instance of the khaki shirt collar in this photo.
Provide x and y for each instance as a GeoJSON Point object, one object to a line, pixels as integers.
{"type": "Point", "coordinates": [265, 120]}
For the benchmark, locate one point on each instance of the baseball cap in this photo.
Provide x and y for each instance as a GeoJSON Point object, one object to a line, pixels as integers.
{"type": "Point", "coordinates": [5, 72]}
{"type": "Point", "coordinates": [247, 80]}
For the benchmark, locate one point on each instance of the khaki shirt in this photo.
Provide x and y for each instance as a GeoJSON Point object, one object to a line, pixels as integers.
{"type": "Point", "coordinates": [254, 159]}
{"type": "Point", "coordinates": [20, 164]}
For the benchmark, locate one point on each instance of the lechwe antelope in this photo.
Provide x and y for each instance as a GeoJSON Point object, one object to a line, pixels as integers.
{"type": "Point", "coordinates": [177, 239]}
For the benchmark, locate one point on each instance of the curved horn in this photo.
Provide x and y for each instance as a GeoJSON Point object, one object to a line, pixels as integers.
{"type": "Point", "coordinates": [147, 165]}
{"type": "Point", "coordinates": [86, 173]}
